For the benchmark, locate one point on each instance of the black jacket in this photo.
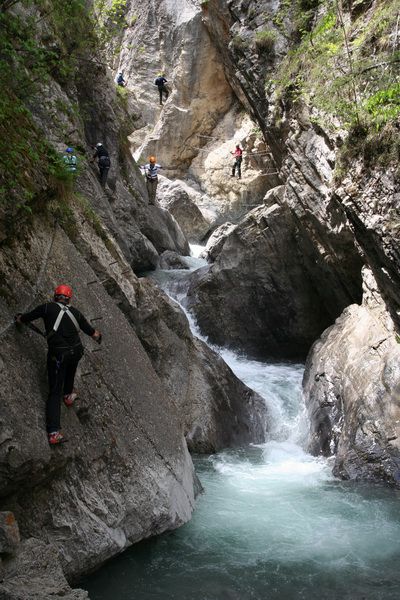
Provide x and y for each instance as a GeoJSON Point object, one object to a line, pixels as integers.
{"type": "Point", "coordinates": [66, 336]}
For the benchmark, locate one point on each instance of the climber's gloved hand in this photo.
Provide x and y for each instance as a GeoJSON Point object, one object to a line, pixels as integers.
{"type": "Point", "coordinates": [17, 318]}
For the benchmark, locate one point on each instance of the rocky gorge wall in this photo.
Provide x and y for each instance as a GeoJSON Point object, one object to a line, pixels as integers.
{"type": "Point", "coordinates": [336, 210]}
{"type": "Point", "coordinates": [125, 473]}
{"type": "Point", "coordinates": [290, 260]}
{"type": "Point", "coordinates": [293, 263]}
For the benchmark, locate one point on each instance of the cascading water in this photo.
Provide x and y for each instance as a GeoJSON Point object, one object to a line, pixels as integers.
{"type": "Point", "coordinates": [273, 522]}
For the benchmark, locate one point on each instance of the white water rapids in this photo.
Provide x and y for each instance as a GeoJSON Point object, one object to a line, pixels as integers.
{"type": "Point", "coordinates": [273, 522]}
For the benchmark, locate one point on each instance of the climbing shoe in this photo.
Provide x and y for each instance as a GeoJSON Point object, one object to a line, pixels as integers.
{"type": "Point", "coordinates": [56, 437]}
{"type": "Point", "coordinates": [69, 399]}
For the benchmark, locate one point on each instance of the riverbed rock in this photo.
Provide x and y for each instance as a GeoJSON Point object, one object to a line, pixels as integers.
{"type": "Point", "coordinates": [352, 389]}
{"type": "Point", "coordinates": [36, 574]}
{"type": "Point", "coordinates": [262, 271]}
{"type": "Point", "coordinates": [172, 260]}
{"type": "Point", "coordinates": [182, 202]}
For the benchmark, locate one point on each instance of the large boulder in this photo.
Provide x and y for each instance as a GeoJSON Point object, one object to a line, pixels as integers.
{"type": "Point", "coordinates": [180, 200]}
{"type": "Point", "coordinates": [352, 390]}
{"type": "Point", "coordinates": [261, 271]}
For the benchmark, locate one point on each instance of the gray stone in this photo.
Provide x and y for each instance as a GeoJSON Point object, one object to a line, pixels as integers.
{"type": "Point", "coordinates": [36, 574]}
{"type": "Point", "coordinates": [172, 260]}
{"type": "Point", "coordinates": [352, 389]}
{"type": "Point", "coordinates": [9, 533]}
{"type": "Point", "coordinates": [261, 271]}
{"type": "Point", "coordinates": [179, 199]}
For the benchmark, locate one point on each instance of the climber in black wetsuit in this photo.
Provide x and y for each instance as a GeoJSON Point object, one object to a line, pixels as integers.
{"type": "Point", "coordinates": [62, 324]}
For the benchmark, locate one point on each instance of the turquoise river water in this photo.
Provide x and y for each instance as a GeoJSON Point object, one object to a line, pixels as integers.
{"type": "Point", "coordinates": [273, 523]}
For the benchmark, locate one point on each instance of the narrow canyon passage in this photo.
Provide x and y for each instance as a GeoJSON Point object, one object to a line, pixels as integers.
{"type": "Point", "coordinates": [272, 522]}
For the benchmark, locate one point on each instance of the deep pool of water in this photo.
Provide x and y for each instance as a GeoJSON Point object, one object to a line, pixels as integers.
{"type": "Point", "coordinates": [273, 523]}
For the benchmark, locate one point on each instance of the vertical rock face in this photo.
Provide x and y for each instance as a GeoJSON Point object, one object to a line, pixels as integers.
{"type": "Point", "coordinates": [218, 410]}
{"type": "Point", "coordinates": [371, 198]}
{"type": "Point", "coordinates": [125, 472]}
{"type": "Point", "coordinates": [171, 38]}
{"type": "Point", "coordinates": [352, 388]}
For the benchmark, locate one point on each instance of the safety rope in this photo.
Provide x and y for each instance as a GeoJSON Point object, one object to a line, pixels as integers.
{"type": "Point", "coordinates": [38, 283]}
{"type": "Point", "coordinates": [245, 152]}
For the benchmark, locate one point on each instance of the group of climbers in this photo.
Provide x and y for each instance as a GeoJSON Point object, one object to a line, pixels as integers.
{"type": "Point", "coordinates": [103, 162]}
{"type": "Point", "coordinates": [160, 81]}
{"type": "Point", "coordinates": [62, 324]}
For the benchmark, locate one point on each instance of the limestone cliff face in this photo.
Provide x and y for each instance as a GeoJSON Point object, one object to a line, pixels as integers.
{"type": "Point", "coordinates": [352, 388]}
{"type": "Point", "coordinates": [315, 231]}
{"type": "Point", "coordinates": [125, 472]}
{"type": "Point", "coordinates": [169, 38]}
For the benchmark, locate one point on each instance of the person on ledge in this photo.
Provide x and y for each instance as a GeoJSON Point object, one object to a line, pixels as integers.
{"type": "Point", "coordinates": [103, 161]}
{"type": "Point", "coordinates": [238, 155]}
{"type": "Point", "coordinates": [151, 172]}
{"type": "Point", "coordinates": [160, 82]}
{"type": "Point", "coordinates": [62, 324]}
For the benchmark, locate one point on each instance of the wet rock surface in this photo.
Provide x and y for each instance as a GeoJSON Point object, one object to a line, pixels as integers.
{"type": "Point", "coordinates": [352, 389]}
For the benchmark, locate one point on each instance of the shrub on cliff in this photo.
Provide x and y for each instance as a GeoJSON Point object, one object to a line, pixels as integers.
{"type": "Point", "coordinates": [265, 40]}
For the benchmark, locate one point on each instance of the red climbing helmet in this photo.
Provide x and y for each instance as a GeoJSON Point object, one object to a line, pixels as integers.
{"type": "Point", "coordinates": [63, 290]}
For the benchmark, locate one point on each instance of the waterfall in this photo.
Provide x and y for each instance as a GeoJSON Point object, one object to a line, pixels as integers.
{"type": "Point", "coordinates": [273, 521]}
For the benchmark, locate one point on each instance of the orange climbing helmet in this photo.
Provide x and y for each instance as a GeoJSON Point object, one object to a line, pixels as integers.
{"type": "Point", "coordinates": [152, 159]}
{"type": "Point", "coordinates": [63, 290]}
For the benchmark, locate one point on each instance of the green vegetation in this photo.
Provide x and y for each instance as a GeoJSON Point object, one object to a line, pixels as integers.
{"type": "Point", "coordinates": [298, 14]}
{"type": "Point", "coordinates": [334, 70]}
{"type": "Point", "coordinates": [111, 21]}
{"type": "Point", "coordinates": [239, 42]}
{"type": "Point", "coordinates": [265, 40]}
{"type": "Point", "coordinates": [33, 177]}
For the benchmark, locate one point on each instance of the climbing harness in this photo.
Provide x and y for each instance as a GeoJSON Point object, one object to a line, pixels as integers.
{"type": "Point", "coordinates": [64, 311]}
